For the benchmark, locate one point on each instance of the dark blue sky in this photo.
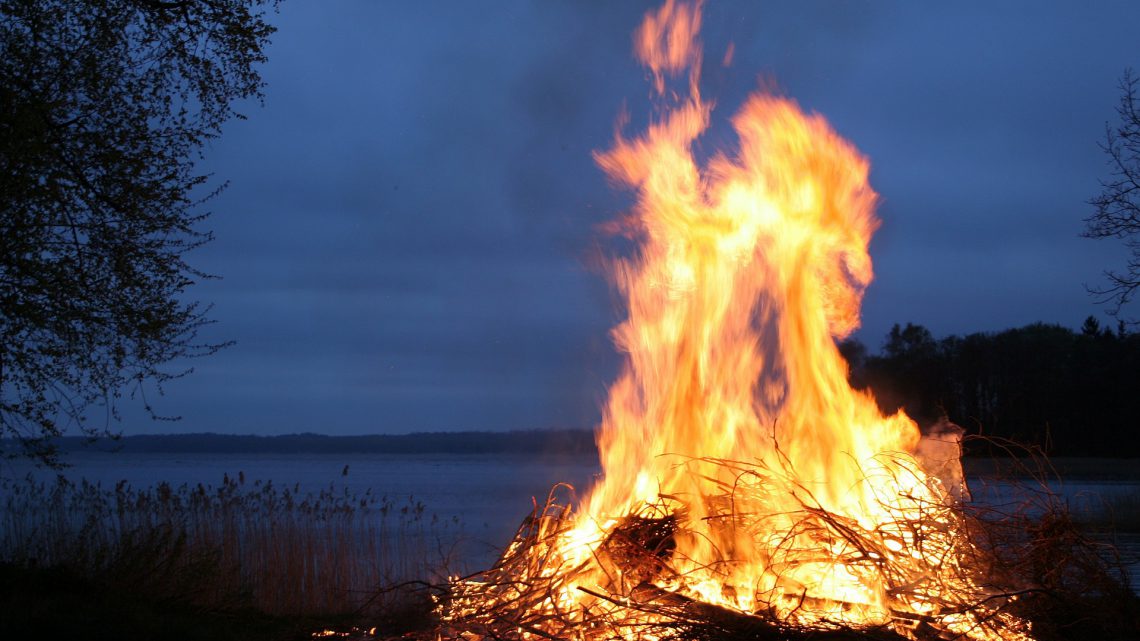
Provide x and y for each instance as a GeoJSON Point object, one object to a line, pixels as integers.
{"type": "Point", "coordinates": [406, 242]}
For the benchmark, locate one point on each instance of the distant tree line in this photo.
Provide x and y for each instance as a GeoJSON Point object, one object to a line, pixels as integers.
{"type": "Point", "coordinates": [1073, 393]}
{"type": "Point", "coordinates": [528, 442]}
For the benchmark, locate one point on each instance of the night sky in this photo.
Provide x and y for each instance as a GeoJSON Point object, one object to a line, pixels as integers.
{"type": "Point", "coordinates": [409, 238]}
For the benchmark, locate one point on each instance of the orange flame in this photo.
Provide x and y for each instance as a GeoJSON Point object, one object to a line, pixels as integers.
{"type": "Point", "coordinates": [749, 268]}
{"type": "Point", "coordinates": [793, 495]}
{"type": "Point", "coordinates": [666, 41]}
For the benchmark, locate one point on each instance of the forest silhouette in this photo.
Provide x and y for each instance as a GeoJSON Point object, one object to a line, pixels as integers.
{"type": "Point", "coordinates": [1040, 387]}
{"type": "Point", "coordinates": [1069, 393]}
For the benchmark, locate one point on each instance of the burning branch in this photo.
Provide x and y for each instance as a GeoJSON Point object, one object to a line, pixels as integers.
{"type": "Point", "coordinates": [631, 585]}
{"type": "Point", "coordinates": [835, 523]}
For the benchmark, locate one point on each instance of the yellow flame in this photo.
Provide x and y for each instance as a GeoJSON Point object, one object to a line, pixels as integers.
{"type": "Point", "coordinates": [748, 270]}
{"type": "Point", "coordinates": [792, 495]}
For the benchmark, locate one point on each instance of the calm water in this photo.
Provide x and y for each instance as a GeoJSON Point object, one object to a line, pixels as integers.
{"type": "Point", "coordinates": [489, 494]}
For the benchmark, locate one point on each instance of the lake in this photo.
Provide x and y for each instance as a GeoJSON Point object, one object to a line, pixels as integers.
{"type": "Point", "coordinates": [489, 494]}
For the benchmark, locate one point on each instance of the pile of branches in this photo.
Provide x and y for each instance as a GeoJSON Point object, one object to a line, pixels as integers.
{"type": "Point", "coordinates": [994, 586]}
{"type": "Point", "coordinates": [1033, 532]}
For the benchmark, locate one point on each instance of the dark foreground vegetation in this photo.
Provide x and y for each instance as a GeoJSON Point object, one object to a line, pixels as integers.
{"type": "Point", "coordinates": [237, 561]}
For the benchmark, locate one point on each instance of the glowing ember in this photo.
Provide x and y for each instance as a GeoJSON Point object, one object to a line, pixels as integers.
{"type": "Point", "coordinates": [744, 479]}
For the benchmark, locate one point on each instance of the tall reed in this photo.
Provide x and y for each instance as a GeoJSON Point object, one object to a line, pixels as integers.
{"type": "Point", "coordinates": [235, 545]}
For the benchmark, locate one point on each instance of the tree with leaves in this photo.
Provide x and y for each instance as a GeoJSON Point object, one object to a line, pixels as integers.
{"type": "Point", "coordinates": [104, 110]}
{"type": "Point", "coordinates": [1117, 208]}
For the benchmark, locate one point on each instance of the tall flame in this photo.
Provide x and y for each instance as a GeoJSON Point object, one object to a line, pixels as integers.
{"type": "Point", "coordinates": [792, 494]}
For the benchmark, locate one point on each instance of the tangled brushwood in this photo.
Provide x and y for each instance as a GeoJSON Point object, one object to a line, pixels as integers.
{"type": "Point", "coordinates": [748, 491]}
{"type": "Point", "coordinates": [629, 585]}
{"type": "Point", "coordinates": [1031, 560]}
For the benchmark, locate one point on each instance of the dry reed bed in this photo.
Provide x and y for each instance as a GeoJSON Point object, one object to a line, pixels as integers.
{"type": "Point", "coordinates": [236, 545]}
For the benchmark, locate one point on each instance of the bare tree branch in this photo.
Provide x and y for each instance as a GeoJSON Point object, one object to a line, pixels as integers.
{"type": "Point", "coordinates": [1117, 208]}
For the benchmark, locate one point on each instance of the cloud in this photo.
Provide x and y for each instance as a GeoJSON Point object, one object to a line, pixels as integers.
{"type": "Point", "coordinates": [405, 239]}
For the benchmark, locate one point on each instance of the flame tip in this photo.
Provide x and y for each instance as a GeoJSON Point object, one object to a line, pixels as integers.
{"type": "Point", "coordinates": [741, 470]}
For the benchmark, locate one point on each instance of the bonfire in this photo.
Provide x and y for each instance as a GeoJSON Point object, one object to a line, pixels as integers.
{"type": "Point", "coordinates": [747, 489]}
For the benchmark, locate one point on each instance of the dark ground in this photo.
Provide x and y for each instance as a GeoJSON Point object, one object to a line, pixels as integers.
{"type": "Point", "coordinates": [57, 604]}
